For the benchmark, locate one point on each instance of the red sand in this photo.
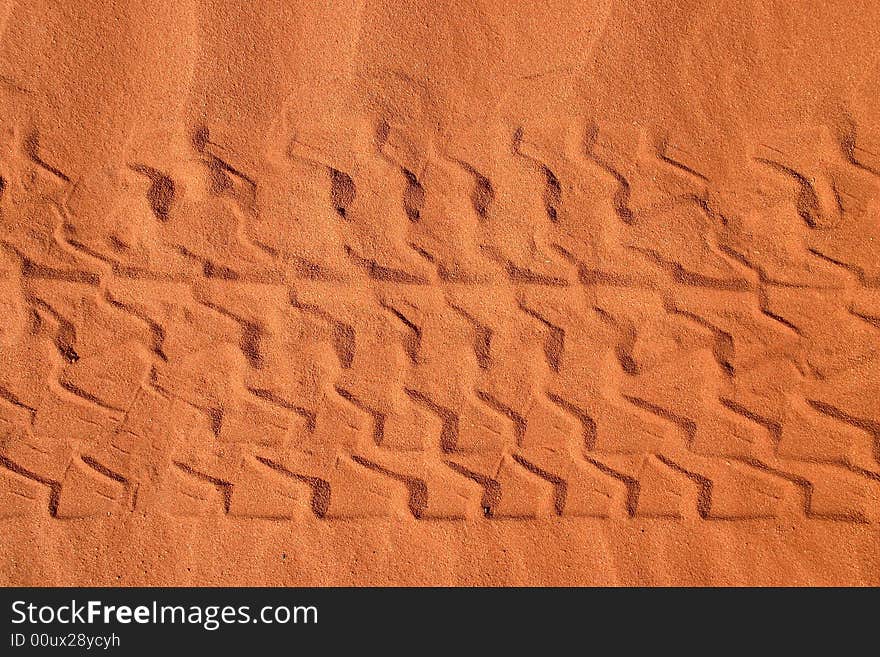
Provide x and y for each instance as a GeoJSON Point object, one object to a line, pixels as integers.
{"type": "Point", "coordinates": [440, 293]}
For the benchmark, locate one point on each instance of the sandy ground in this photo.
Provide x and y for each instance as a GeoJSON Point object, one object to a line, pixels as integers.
{"type": "Point", "coordinates": [479, 292]}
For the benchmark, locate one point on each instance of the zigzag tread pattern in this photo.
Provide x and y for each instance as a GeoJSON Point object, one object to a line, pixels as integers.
{"type": "Point", "coordinates": [598, 325]}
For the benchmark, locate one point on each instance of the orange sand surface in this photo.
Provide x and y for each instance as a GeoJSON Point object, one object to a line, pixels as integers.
{"type": "Point", "coordinates": [439, 292]}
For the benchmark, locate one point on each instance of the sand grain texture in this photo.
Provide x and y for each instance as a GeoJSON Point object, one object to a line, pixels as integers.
{"type": "Point", "coordinates": [439, 293]}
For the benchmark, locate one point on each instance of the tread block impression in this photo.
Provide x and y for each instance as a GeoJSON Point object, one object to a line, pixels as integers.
{"type": "Point", "coordinates": [588, 320]}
